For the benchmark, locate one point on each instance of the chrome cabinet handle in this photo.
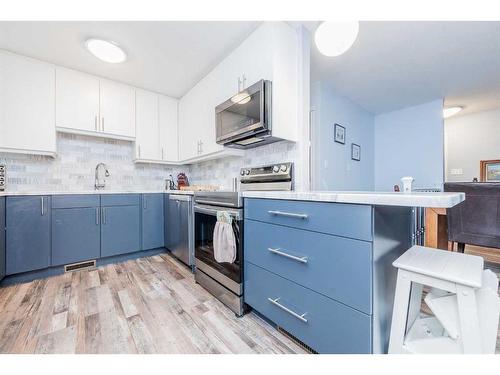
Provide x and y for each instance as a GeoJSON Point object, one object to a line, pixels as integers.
{"type": "Point", "coordinates": [42, 204]}
{"type": "Point", "coordinates": [96, 216]}
{"type": "Point", "coordinates": [95, 122]}
{"type": "Point", "coordinates": [284, 308]}
{"type": "Point", "coordinates": [102, 123]}
{"type": "Point", "coordinates": [139, 150]}
{"type": "Point", "coordinates": [162, 157]}
{"type": "Point", "coordinates": [144, 202]}
{"type": "Point", "coordinates": [103, 212]}
{"type": "Point", "coordinates": [298, 259]}
{"type": "Point", "coordinates": [288, 214]}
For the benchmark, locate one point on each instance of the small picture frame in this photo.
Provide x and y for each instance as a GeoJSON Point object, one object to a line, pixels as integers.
{"type": "Point", "coordinates": [355, 152]}
{"type": "Point", "coordinates": [490, 170]}
{"type": "Point", "coordinates": [339, 134]}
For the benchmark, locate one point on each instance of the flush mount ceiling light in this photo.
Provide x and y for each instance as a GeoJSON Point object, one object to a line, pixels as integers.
{"type": "Point", "coordinates": [106, 51]}
{"type": "Point", "coordinates": [334, 38]}
{"type": "Point", "coordinates": [451, 111]}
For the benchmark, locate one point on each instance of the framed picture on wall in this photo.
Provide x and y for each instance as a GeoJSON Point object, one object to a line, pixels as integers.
{"type": "Point", "coordinates": [339, 134]}
{"type": "Point", "coordinates": [490, 170]}
{"type": "Point", "coordinates": [355, 152]}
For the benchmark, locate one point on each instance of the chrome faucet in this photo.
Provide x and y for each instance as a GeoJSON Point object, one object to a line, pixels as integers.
{"type": "Point", "coordinates": [98, 184]}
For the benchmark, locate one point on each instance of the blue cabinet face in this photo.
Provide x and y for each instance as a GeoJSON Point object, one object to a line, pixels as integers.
{"type": "Point", "coordinates": [322, 323]}
{"type": "Point", "coordinates": [2, 238]}
{"type": "Point", "coordinates": [28, 233]}
{"type": "Point", "coordinates": [75, 235]}
{"type": "Point", "coordinates": [152, 221]}
{"type": "Point", "coordinates": [120, 230]}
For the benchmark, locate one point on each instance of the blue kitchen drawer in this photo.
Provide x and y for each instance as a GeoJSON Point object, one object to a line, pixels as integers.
{"type": "Point", "coordinates": [331, 327]}
{"type": "Point", "coordinates": [120, 199]}
{"type": "Point", "coordinates": [75, 201]}
{"type": "Point", "coordinates": [347, 220]}
{"type": "Point", "coordinates": [338, 267]}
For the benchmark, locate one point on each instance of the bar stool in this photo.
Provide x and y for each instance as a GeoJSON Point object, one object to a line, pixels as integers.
{"type": "Point", "coordinates": [464, 300]}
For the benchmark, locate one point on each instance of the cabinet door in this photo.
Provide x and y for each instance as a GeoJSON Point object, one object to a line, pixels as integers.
{"type": "Point", "coordinates": [147, 143]}
{"type": "Point", "coordinates": [152, 221]}
{"type": "Point", "coordinates": [75, 235]}
{"type": "Point", "coordinates": [169, 142]}
{"type": "Point", "coordinates": [77, 100]}
{"type": "Point", "coordinates": [2, 237]}
{"type": "Point", "coordinates": [120, 230]}
{"type": "Point", "coordinates": [117, 107]}
{"type": "Point", "coordinates": [189, 118]}
{"type": "Point", "coordinates": [27, 233]}
{"type": "Point", "coordinates": [27, 97]}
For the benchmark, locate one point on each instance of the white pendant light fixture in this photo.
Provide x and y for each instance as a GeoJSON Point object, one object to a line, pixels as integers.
{"type": "Point", "coordinates": [104, 50]}
{"type": "Point", "coordinates": [333, 38]}
{"type": "Point", "coordinates": [451, 111]}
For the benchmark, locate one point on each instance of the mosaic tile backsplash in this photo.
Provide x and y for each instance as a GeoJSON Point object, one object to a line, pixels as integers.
{"type": "Point", "coordinates": [77, 156]}
{"type": "Point", "coordinates": [74, 167]}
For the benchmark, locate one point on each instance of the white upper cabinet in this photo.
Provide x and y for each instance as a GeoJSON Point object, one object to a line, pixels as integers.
{"type": "Point", "coordinates": [117, 109]}
{"type": "Point", "coordinates": [147, 142]}
{"type": "Point", "coordinates": [77, 101]}
{"type": "Point", "coordinates": [272, 53]}
{"type": "Point", "coordinates": [167, 120]}
{"type": "Point", "coordinates": [27, 101]}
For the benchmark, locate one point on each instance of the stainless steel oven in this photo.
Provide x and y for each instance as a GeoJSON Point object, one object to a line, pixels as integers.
{"type": "Point", "coordinates": [223, 280]}
{"type": "Point", "coordinates": [244, 121]}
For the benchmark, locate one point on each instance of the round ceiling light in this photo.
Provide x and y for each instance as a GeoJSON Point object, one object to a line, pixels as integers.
{"type": "Point", "coordinates": [451, 111]}
{"type": "Point", "coordinates": [106, 51]}
{"type": "Point", "coordinates": [334, 38]}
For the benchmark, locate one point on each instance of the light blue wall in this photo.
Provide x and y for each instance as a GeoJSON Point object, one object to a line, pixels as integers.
{"type": "Point", "coordinates": [410, 142]}
{"type": "Point", "coordinates": [332, 167]}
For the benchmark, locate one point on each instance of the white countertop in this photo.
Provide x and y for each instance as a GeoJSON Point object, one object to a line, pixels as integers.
{"type": "Point", "coordinates": [9, 193]}
{"type": "Point", "coordinates": [436, 200]}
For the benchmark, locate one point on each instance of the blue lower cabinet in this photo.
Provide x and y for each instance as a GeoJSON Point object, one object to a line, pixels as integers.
{"type": "Point", "coordinates": [120, 229]}
{"type": "Point", "coordinates": [28, 242]}
{"type": "Point", "coordinates": [2, 238]}
{"type": "Point", "coordinates": [338, 267]}
{"type": "Point", "coordinates": [75, 235]}
{"type": "Point", "coordinates": [153, 226]}
{"type": "Point", "coordinates": [322, 323]}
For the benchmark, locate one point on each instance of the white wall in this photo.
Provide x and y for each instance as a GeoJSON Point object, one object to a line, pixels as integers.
{"type": "Point", "coordinates": [332, 166]}
{"type": "Point", "coordinates": [468, 140]}
{"type": "Point", "coordinates": [410, 142]}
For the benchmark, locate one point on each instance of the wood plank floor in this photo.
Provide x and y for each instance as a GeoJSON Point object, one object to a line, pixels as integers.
{"type": "Point", "coordinates": [148, 305]}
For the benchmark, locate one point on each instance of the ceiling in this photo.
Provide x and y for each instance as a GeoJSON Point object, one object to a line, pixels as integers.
{"type": "Point", "coordinates": [393, 65]}
{"type": "Point", "coordinates": [168, 57]}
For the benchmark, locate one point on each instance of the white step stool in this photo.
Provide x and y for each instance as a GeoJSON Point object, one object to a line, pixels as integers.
{"type": "Point", "coordinates": [465, 304]}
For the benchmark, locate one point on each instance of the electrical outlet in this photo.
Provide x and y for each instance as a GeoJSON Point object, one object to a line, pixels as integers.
{"type": "Point", "coordinates": [456, 171]}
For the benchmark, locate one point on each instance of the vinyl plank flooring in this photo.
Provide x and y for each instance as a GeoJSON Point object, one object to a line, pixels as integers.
{"type": "Point", "coordinates": [147, 305]}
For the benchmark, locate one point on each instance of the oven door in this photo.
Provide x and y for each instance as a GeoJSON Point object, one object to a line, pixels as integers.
{"type": "Point", "coordinates": [246, 113]}
{"type": "Point", "coordinates": [205, 218]}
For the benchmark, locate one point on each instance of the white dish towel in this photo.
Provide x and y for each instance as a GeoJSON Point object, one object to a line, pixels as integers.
{"type": "Point", "coordinates": [224, 240]}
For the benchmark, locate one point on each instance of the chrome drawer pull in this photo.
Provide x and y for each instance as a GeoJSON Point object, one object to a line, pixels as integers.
{"type": "Point", "coordinates": [288, 214]}
{"type": "Point", "coordinates": [284, 308]}
{"type": "Point", "coordinates": [298, 259]}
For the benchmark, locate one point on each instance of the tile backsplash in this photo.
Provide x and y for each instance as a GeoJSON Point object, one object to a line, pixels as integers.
{"type": "Point", "coordinates": [73, 169]}
{"type": "Point", "coordinates": [221, 171]}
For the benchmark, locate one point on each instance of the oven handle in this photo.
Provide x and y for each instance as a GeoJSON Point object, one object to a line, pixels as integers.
{"type": "Point", "coordinates": [203, 201]}
{"type": "Point", "coordinates": [211, 211]}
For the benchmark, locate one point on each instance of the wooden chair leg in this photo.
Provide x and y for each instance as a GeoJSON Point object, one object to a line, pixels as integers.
{"type": "Point", "coordinates": [461, 247]}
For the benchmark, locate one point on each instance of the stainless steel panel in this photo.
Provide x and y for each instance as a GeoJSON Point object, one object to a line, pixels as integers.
{"type": "Point", "coordinates": [223, 279]}
{"type": "Point", "coordinates": [180, 228]}
{"type": "Point", "coordinates": [231, 300]}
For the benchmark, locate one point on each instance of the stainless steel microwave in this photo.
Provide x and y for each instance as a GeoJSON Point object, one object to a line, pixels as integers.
{"type": "Point", "coordinates": [244, 120]}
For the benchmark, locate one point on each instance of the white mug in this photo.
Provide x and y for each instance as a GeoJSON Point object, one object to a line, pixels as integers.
{"type": "Point", "coordinates": [407, 182]}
